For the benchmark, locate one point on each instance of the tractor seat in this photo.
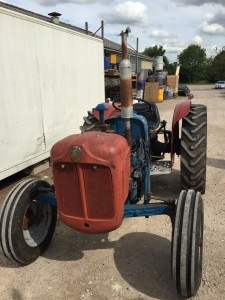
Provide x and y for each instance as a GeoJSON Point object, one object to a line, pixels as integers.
{"type": "Point", "coordinates": [150, 112]}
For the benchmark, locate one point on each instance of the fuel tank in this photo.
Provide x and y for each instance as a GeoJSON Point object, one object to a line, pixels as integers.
{"type": "Point", "coordinates": [91, 175]}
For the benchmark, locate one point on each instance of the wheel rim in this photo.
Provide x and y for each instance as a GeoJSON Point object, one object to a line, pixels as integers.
{"type": "Point", "coordinates": [36, 223]}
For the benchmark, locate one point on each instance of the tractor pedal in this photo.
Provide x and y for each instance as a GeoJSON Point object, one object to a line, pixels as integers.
{"type": "Point", "coordinates": [161, 167]}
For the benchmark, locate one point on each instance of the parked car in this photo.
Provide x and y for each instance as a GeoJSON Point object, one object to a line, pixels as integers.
{"type": "Point", "coordinates": [220, 85]}
{"type": "Point", "coordinates": [183, 90]}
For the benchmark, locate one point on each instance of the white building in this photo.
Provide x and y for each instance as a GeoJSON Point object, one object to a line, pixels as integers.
{"type": "Point", "coordinates": [50, 75]}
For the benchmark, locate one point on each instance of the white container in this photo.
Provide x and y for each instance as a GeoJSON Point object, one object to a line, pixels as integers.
{"type": "Point", "coordinates": [49, 77]}
{"type": "Point", "coordinates": [158, 63]}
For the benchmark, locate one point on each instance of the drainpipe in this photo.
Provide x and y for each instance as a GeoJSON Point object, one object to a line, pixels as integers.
{"type": "Point", "coordinates": [126, 87]}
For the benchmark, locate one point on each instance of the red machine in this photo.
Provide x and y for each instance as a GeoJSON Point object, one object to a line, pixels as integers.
{"type": "Point", "coordinates": [91, 180]}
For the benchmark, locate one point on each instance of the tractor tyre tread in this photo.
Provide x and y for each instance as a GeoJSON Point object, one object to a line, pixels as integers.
{"type": "Point", "coordinates": [12, 241]}
{"type": "Point", "coordinates": [5, 216]}
{"type": "Point", "coordinates": [193, 149]}
{"type": "Point", "coordinates": [187, 243]}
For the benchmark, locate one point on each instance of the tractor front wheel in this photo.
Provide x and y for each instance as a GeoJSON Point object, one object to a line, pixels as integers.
{"type": "Point", "coordinates": [187, 243]}
{"type": "Point", "coordinates": [193, 149]}
{"type": "Point", "coordinates": [27, 221]}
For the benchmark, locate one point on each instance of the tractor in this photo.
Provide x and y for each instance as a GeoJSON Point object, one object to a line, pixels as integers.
{"type": "Point", "coordinates": [103, 175]}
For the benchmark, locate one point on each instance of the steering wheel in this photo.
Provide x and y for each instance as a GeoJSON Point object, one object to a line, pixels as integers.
{"type": "Point", "coordinates": [117, 104]}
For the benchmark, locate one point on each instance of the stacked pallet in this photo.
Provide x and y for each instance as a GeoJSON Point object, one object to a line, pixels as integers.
{"type": "Point", "coordinates": [151, 91]}
{"type": "Point", "coordinates": [173, 83]}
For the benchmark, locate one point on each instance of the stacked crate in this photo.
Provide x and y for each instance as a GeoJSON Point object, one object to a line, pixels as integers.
{"type": "Point", "coordinates": [153, 92]}
{"type": "Point", "coordinates": [173, 83]}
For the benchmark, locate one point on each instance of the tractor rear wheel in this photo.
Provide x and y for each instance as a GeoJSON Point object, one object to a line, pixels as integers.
{"type": "Point", "coordinates": [27, 223]}
{"type": "Point", "coordinates": [194, 148]}
{"type": "Point", "coordinates": [187, 243]}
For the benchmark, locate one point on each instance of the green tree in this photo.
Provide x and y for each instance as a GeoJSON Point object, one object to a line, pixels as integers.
{"type": "Point", "coordinates": [216, 67]}
{"type": "Point", "coordinates": [157, 50]}
{"type": "Point", "coordinates": [193, 62]}
{"type": "Point", "coordinates": [171, 68]}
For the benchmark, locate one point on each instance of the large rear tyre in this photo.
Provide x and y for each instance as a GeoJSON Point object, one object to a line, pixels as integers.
{"type": "Point", "coordinates": [27, 221]}
{"type": "Point", "coordinates": [187, 243]}
{"type": "Point", "coordinates": [193, 149]}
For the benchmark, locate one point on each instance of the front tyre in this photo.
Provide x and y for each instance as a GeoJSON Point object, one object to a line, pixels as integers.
{"type": "Point", "coordinates": [187, 243]}
{"type": "Point", "coordinates": [27, 221]}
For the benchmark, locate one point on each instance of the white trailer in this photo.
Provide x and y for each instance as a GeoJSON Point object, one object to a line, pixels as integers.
{"type": "Point", "coordinates": [50, 75]}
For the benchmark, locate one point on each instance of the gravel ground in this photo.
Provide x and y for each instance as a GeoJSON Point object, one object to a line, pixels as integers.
{"type": "Point", "coordinates": [132, 262]}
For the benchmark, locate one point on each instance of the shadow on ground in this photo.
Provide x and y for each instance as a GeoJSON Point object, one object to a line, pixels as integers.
{"type": "Point", "coordinates": [222, 94]}
{"type": "Point", "coordinates": [166, 187]}
{"type": "Point", "coordinates": [142, 259]}
{"type": "Point", "coordinates": [16, 294]}
{"type": "Point", "coordinates": [216, 163]}
{"type": "Point", "coordinates": [7, 184]}
{"type": "Point", "coordinates": [13, 179]}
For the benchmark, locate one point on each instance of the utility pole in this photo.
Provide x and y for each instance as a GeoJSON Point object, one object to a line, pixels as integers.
{"type": "Point", "coordinates": [102, 29]}
{"type": "Point", "coordinates": [137, 50]}
{"type": "Point", "coordinates": [86, 27]}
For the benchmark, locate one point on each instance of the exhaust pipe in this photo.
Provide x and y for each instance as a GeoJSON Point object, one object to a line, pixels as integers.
{"type": "Point", "coordinates": [126, 87]}
{"type": "Point", "coordinates": [55, 17]}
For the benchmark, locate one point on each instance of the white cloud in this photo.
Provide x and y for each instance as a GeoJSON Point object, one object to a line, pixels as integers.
{"type": "Point", "coordinates": [212, 29]}
{"type": "Point", "coordinates": [162, 34]}
{"type": "Point", "coordinates": [55, 2]}
{"type": "Point", "coordinates": [170, 42]}
{"type": "Point", "coordinates": [174, 46]}
{"type": "Point", "coordinates": [214, 24]}
{"type": "Point", "coordinates": [200, 2]}
{"type": "Point", "coordinates": [173, 49]}
{"type": "Point", "coordinates": [198, 40]}
{"type": "Point", "coordinates": [218, 18]}
{"type": "Point", "coordinates": [127, 13]}
{"type": "Point", "coordinates": [167, 39]}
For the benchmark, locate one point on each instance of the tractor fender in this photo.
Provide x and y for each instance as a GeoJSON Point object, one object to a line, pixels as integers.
{"type": "Point", "coordinates": [181, 111]}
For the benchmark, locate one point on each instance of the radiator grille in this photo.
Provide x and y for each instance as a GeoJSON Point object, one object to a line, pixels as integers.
{"type": "Point", "coordinates": [99, 191]}
{"type": "Point", "coordinates": [67, 182]}
{"type": "Point", "coordinates": [85, 190]}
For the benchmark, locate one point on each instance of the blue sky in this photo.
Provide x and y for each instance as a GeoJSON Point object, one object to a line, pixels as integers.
{"type": "Point", "coordinates": [171, 23]}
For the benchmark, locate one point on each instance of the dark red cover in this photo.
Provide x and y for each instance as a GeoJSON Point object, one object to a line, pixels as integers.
{"type": "Point", "coordinates": [92, 185]}
{"type": "Point", "coordinates": [181, 111]}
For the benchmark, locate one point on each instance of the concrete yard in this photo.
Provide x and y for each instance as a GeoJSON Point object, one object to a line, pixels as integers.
{"type": "Point", "coordinates": [132, 262]}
